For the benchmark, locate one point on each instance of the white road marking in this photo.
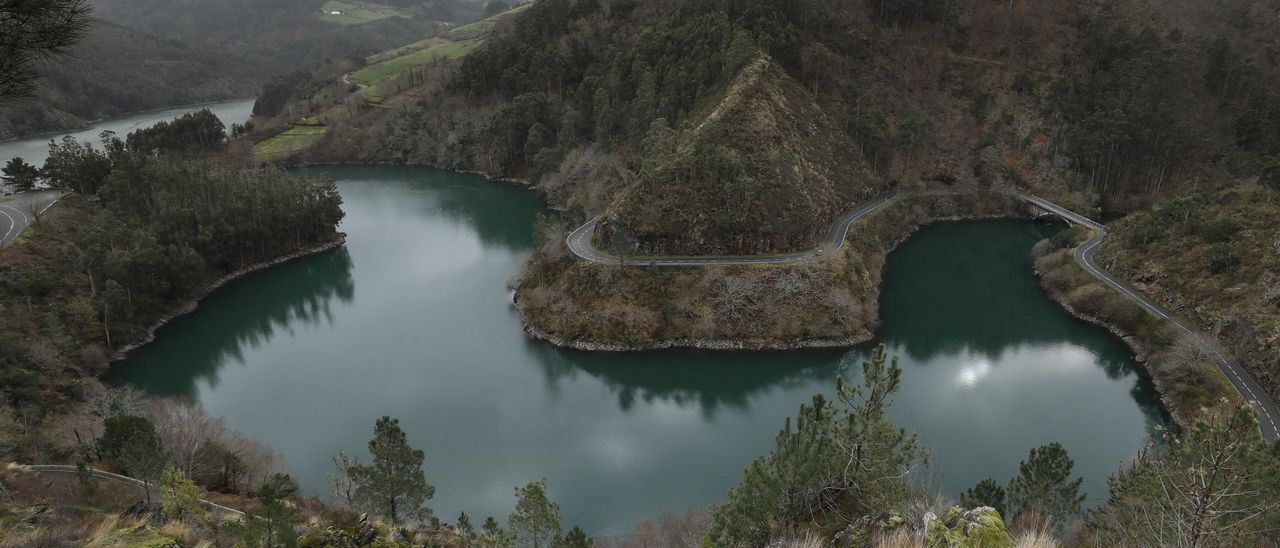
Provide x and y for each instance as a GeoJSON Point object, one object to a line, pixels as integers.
{"type": "Point", "coordinates": [12, 224]}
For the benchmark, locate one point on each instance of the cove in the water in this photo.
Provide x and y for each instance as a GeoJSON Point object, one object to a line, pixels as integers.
{"type": "Point", "coordinates": [413, 319]}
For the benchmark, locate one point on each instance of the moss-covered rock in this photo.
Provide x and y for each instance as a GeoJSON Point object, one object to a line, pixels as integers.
{"type": "Point", "coordinates": [980, 527]}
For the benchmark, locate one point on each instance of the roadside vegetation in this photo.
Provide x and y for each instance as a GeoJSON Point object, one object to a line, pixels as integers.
{"type": "Point", "coordinates": [1213, 257]}
{"type": "Point", "coordinates": [831, 301]}
{"type": "Point", "coordinates": [1179, 364]}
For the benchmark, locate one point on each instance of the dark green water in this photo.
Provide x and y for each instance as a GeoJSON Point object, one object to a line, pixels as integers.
{"type": "Point", "coordinates": [413, 319]}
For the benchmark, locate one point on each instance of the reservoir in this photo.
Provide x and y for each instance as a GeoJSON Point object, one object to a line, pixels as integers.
{"type": "Point", "coordinates": [413, 319]}
{"type": "Point", "coordinates": [35, 149]}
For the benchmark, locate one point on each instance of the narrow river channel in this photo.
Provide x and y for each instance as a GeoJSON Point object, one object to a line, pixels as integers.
{"type": "Point", "coordinates": [413, 319]}
{"type": "Point", "coordinates": [35, 149]}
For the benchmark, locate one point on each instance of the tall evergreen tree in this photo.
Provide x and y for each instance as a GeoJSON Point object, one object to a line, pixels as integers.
{"type": "Point", "coordinates": [536, 520]}
{"type": "Point", "coordinates": [835, 465]}
{"type": "Point", "coordinates": [19, 175]}
{"type": "Point", "coordinates": [1044, 483]}
{"type": "Point", "coordinates": [393, 485]}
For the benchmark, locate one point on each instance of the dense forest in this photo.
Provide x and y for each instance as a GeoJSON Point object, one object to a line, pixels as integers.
{"type": "Point", "coordinates": [1119, 103]}
{"type": "Point", "coordinates": [115, 71]}
{"type": "Point", "coordinates": [156, 219]}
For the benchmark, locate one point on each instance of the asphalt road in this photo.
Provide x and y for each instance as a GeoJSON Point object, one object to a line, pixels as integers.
{"type": "Point", "coordinates": [1249, 390]}
{"type": "Point", "coordinates": [580, 244]}
{"type": "Point", "coordinates": [69, 472]}
{"type": "Point", "coordinates": [1268, 413]}
{"type": "Point", "coordinates": [18, 211]}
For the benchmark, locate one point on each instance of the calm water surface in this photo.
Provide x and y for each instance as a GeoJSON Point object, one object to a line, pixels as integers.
{"type": "Point", "coordinates": [413, 319]}
{"type": "Point", "coordinates": [35, 149]}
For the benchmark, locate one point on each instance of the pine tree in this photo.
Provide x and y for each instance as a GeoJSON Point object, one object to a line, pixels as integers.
{"type": "Point", "coordinates": [577, 538]}
{"type": "Point", "coordinates": [1043, 483]}
{"type": "Point", "coordinates": [393, 484]}
{"type": "Point", "coordinates": [836, 464]}
{"type": "Point", "coordinates": [986, 493]}
{"type": "Point", "coordinates": [272, 525]}
{"type": "Point", "coordinates": [19, 175]}
{"type": "Point", "coordinates": [536, 520]}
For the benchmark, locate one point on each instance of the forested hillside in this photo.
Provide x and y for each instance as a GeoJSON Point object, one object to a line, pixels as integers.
{"type": "Point", "coordinates": [155, 221]}
{"type": "Point", "coordinates": [1119, 101]}
{"type": "Point", "coordinates": [628, 109]}
{"type": "Point", "coordinates": [765, 171]}
{"type": "Point", "coordinates": [115, 71]}
{"type": "Point", "coordinates": [290, 33]}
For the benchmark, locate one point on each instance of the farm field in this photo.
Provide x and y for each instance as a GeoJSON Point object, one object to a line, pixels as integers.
{"type": "Point", "coordinates": [291, 140]}
{"type": "Point", "coordinates": [396, 65]}
{"type": "Point", "coordinates": [355, 12]}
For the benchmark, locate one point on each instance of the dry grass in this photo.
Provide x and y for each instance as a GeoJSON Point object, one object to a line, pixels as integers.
{"type": "Point", "coordinates": [901, 538]}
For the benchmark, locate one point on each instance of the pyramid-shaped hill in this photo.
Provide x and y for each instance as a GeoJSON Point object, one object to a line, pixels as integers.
{"type": "Point", "coordinates": [767, 171]}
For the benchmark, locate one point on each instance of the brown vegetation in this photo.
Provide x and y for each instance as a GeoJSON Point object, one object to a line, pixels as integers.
{"type": "Point", "coordinates": [1178, 364]}
{"type": "Point", "coordinates": [1212, 257]}
{"type": "Point", "coordinates": [831, 301]}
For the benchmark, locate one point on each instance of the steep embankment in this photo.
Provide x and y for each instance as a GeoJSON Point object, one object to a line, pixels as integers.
{"type": "Point", "coordinates": [1214, 258]}
{"type": "Point", "coordinates": [765, 171]}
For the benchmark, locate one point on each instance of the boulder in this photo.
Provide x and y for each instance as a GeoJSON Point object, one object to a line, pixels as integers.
{"type": "Point", "coordinates": [980, 527]}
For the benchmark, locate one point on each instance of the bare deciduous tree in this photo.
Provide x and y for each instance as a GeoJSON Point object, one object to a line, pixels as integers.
{"type": "Point", "coordinates": [186, 432]}
{"type": "Point", "coordinates": [341, 484]}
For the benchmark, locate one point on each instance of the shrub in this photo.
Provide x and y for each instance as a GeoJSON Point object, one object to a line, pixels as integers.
{"type": "Point", "coordinates": [1091, 299]}
{"type": "Point", "coordinates": [1218, 230]}
{"type": "Point", "coordinates": [1223, 258]}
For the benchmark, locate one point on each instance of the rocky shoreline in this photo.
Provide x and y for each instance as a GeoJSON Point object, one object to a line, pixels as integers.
{"type": "Point", "coordinates": [1141, 350]}
{"type": "Point", "coordinates": [694, 344]}
{"type": "Point", "coordinates": [192, 303]}
{"type": "Point", "coordinates": [764, 343]}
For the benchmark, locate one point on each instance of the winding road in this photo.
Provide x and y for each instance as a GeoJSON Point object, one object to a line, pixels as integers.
{"type": "Point", "coordinates": [579, 242]}
{"type": "Point", "coordinates": [18, 211]}
{"type": "Point", "coordinates": [1249, 390]}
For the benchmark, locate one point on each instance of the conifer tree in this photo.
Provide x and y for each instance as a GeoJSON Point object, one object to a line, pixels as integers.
{"type": "Point", "coordinates": [393, 484]}
{"type": "Point", "coordinates": [536, 520]}
{"type": "Point", "coordinates": [986, 493]}
{"type": "Point", "coordinates": [1044, 483]}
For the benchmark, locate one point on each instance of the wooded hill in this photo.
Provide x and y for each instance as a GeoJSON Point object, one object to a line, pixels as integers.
{"type": "Point", "coordinates": [1114, 103]}
{"type": "Point", "coordinates": [115, 71]}
{"type": "Point", "coordinates": [289, 33]}
{"type": "Point", "coordinates": [766, 165]}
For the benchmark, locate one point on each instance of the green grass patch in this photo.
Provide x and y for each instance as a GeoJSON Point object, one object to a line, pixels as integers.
{"type": "Point", "coordinates": [483, 27]}
{"type": "Point", "coordinates": [405, 50]}
{"type": "Point", "coordinates": [397, 65]}
{"type": "Point", "coordinates": [355, 12]}
{"type": "Point", "coordinates": [289, 141]}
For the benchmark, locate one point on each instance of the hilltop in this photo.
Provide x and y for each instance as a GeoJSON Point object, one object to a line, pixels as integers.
{"type": "Point", "coordinates": [764, 171]}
